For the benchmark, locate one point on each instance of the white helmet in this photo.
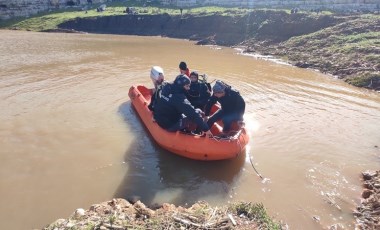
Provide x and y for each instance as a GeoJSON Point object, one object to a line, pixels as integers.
{"type": "Point", "coordinates": [157, 75]}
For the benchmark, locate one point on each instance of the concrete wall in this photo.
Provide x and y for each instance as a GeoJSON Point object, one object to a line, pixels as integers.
{"type": "Point", "coordinates": [25, 8]}
{"type": "Point", "coordinates": [372, 5]}
{"type": "Point", "coordinates": [22, 8]}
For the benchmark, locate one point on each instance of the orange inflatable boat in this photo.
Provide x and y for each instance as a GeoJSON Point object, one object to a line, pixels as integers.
{"type": "Point", "coordinates": [187, 145]}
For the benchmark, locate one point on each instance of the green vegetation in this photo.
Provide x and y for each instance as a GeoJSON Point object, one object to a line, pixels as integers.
{"type": "Point", "coordinates": [349, 50]}
{"type": "Point", "coordinates": [257, 213]}
{"type": "Point", "coordinates": [363, 80]}
{"type": "Point", "coordinates": [51, 20]}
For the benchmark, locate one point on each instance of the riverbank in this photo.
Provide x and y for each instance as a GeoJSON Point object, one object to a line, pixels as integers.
{"type": "Point", "coordinates": [121, 214]}
{"type": "Point", "coordinates": [345, 46]}
{"type": "Point", "coordinates": [367, 214]}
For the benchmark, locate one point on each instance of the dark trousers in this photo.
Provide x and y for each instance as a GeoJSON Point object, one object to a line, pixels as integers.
{"type": "Point", "coordinates": [227, 118]}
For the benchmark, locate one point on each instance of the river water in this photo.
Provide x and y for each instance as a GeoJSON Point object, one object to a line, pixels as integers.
{"type": "Point", "coordinates": [69, 137]}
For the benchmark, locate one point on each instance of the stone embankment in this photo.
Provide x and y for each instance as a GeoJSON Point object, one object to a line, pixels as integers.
{"type": "Point", "coordinates": [368, 213]}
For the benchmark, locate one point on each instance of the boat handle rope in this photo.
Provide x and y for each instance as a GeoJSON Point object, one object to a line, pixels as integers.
{"type": "Point", "coordinates": [250, 160]}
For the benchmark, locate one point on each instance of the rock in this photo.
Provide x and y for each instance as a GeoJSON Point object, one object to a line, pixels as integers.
{"type": "Point", "coordinates": [302, 64]}
{"type": "Point", "coordinates": [368, 175]}
{"type": "Point", "coordinates": [367, 214]}
{"type": "Point", "coordinates": [142, 209]}
{"type": "Point", "coordinates": [366, 193]}
{"type": "Point", "coordinates": [336, 227]}
{"type": "Point", "coordinates": [58, 222]}
{"type": "Point", "coordinates": [368, 185]}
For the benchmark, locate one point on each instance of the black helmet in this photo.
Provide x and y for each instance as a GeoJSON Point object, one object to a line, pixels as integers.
{"type": "Point", "coordinates": [182, 80]}
{"type": "Point", "coordinates": [182, 65]}
{"type": "Point", "coordinates": [195, 73]}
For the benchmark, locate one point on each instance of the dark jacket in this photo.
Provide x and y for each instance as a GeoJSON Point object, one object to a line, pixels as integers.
{"type": "Point", "coordinates": [156, 95]}
{"type": "Point", "coordinates": [170, 106]}
{"type": "Point", "coordinates": [198, 94]}
{"type": "Point", "coordinates": [231, 102]}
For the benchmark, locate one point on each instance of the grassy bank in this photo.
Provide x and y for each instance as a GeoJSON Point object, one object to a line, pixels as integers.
{"type": "Point", "coordinates": [51, 20]}
{"type": "Point", "coordinates": [349, 50]}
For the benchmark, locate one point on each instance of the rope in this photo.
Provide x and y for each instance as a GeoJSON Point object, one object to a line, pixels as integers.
{"type": "Point", "coordinates": [258, 174]}
{"type": "Point", "coordinates": [250, 160]}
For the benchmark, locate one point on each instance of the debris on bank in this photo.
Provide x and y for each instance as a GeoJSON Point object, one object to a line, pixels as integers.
{"type": "Point", "coordinates": [120, 214]}
{"type": "Point", "coordinates": [368, 213]}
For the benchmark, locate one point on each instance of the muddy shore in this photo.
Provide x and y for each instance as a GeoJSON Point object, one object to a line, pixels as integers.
{"type": "Point", "coordinates": [121, 214]}
{"type": "Point", "coordinates": [345, 46]}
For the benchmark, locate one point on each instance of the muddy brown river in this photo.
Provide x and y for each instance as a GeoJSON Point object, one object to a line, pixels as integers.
{"type": "Point", "coordinates": [69, 137]}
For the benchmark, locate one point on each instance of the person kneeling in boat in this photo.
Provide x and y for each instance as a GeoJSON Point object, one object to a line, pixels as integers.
{"type": "Point", "coordinates": [158, 79]}
{"type": "Point", "coordinates": [232, 106]}
{"type": "Point", "coordinates": [199, 92]}
{"type": "Point", "coordinates": [173, 112]}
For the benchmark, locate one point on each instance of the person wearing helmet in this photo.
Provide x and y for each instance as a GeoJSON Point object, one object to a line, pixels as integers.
{"type": "Point", "coordinates": [232, 106]}
{"type": "Point", "coordinates": [157, 76]}
{"type": "Point", "coordinates": [173, 111]}
{"type": "Point", "coordinates": [158, 79]}
{"type": "Point", "coordinates": [183, 68]}
{"type": "Point", "coordinates": [198, 94]}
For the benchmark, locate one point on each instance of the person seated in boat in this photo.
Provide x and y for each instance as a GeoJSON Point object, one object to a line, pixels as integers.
{"type": "Point", "coordinates": [173, 112]}
{"type": "Point", "coordinates": [157, 76]}
{"type": "Point", "coordinates": [158, 79]}
{"type": "Point", "coordinates": [183, 68]}
{"type": "Point", "coordinates": [232, 106]}
{"type": "Point", "coordinates": [199, 92]}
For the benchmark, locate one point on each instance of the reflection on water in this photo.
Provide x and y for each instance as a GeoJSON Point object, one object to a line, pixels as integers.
{"type": "Point", "coordinates": [157, 176]}
{"type": "Point", "coordinates": [69, 137]}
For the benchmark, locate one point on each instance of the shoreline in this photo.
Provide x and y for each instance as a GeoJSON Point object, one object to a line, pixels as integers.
{"type": "Point", "coordinates": [346, 47]}
{"type": "Point", "coordinates": [367, 214]}
{"type": "Point", "coordinates": [121, 214]}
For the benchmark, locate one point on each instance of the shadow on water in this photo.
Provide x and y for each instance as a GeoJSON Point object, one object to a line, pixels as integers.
{"type": "Point", "coordinates": [155, 175]}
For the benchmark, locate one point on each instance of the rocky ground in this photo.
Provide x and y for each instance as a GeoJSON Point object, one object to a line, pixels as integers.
{"type": "Point", "coordinates": [368, 212]}
{"type": "Point", "coordinates": [120, 214]}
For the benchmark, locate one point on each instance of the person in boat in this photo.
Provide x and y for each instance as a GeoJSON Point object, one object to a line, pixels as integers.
{"type": "Point", "coordinates": [183, 68]}
{"type": "Point", "coordinates": [232, 106]}
{"type": "Point", "coordinates": [158, 78]}
{"type": "Point", "coordinates": [174, 112]}
{"type": "Point", "coordinates": [199, 92]}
